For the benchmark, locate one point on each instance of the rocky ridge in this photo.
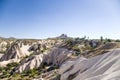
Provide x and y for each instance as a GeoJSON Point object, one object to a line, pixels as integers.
{"type": "Point", "coordinates": [59, 59]}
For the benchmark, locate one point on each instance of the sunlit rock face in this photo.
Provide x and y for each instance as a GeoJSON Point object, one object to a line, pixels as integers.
{"type": "Point", "coordinates": [30, 63]}
{"type": "Point", "coordinates": [16, 51]}
{"type": "Point", "coordinates": [56, 56]}
{"type": "Point", "coordinates": [3, 46]}
{"type": "Point", "coordinates": [19, 49]}
{"type": "Point", "coordinates": [101, 67]}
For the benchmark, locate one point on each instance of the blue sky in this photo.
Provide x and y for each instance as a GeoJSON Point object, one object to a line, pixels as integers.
{"type": "Point", "coordinates": [50, 18]}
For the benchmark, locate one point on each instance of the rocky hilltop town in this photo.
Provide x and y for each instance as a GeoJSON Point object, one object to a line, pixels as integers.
{"type": "Point", "coordinates": [59, 58]}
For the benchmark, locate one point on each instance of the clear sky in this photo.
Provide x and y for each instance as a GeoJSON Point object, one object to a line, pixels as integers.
{"type": "Point", "coordinates": [50, 18]}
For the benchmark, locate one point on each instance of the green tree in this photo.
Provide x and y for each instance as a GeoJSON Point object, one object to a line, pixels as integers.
{"type": "Point", "coordinates": [101, 39]}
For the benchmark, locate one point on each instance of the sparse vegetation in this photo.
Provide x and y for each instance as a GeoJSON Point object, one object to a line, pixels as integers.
{"type": "Point", "coordinates": [6, 72]}
{"type": "Point", "coordinates": [109, 40]}
{"type": "Point", "coordinates": [77, 45]}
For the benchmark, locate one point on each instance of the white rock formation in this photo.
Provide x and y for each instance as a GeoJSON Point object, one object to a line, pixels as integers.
{"type": "Point", "coordinates": [14, 54]}
{"type": "Point", "coordinates": [16, 51]}
{"type": "Point", "coordinates": [3, 46]}
{"type": "Point", "coordinates": [4, 63]}
{"type": "Point", "coordinates": [21, 48]}
{"type": "Point", "coordinates": [32, 62]}
{"type": "Point", "coordinates": [101, 67]}
{"type": "Point", "coordinates": [56, 56]}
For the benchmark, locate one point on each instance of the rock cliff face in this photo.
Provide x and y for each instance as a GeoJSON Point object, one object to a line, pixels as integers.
{"type": "Point", "coordinates": [56, 57]}
{"type": "Point", "coordinates": [101, 67]}
{"type": "Point", "coordinates": [16, 51]}
{"type": "Point", "coordinates": [31, 62]}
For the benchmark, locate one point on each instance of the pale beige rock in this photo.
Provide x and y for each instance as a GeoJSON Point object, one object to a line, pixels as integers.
{"type": "Point", "coordinates": [102, 67]}
{"type": "Point", "coordinates": [3, 46]}
{"type": "Point", "coordinates": [56, 56]}
{"type": "Point", "coordinates": [14, 54]}
{"type": "Point", "coordinates": [16, 51]}
{"type": "Point", "coordinates": [32, 62]}
{"type": "Point", "coordinates": [4, 63]}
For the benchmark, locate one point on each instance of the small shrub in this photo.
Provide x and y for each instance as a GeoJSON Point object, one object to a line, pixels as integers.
{"type": "Point", "coordinates": [109, 40]}
{"type": "Point", "coordinates": [117, 40]}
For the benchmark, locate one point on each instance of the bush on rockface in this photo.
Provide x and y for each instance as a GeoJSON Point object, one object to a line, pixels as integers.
{"type": "Point", "coordinates": [7, 71]}
{"type": "Point", "coordinates": [30, 73]}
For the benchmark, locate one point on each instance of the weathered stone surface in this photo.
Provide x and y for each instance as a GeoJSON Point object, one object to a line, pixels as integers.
{"type": "Point", "coordinates": [101, 67]}
{"type": "Point", "coordinates": [16, 51]}
{"type": "Point", "coordinates": [56, 56]}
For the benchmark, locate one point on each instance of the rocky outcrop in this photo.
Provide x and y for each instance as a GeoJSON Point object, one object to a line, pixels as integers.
{"type": "Point", "coordinates": [16, 51]}
{"type": "Point", "coordinates": [3, 46]}
{"type": "Point", "coordinates": [4, 63]}
{"type": "Point", "coordinates": [63, 36]}
{"type": "Point", "coordinates": [101, 67]}
{"type": "Point", "coordinates": [101, 49]}
{"type": "Point", "coordinates": [56, 57]}
{"type": "Point", "coordinates": [37, 48]}
{"type": "Point", "coordinates": [19, 49]}
{"type": "Point", "coordinates": [31, 62]}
